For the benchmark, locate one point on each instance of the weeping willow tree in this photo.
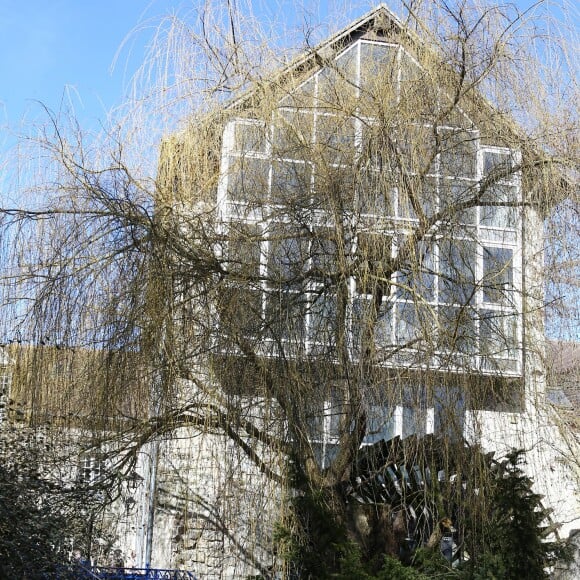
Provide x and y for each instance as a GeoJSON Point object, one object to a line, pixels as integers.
{"type": "Point", "coordinates": [329, 276]}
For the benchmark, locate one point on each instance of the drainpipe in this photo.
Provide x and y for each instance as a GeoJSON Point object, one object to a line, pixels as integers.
{"type": "Point", "coordinates": [151, 502]}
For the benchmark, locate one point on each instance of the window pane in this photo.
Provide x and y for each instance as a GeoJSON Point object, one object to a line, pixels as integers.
{"type": "Point", "coordinates": [337, 83]}
{"type": "Point", "coordinates": [419, 98]}
{"type": "Point", "coordinates": [368, 328]}
{"type": "Point", "coordinates": [335, 190]}
{"type": "Point", "coordinates": [414, 421]}
{"type": "Point", "coordinates": [415, 150]}
{"type": "Point", "coordinates": [417, 191]}
{"type": "Point", "coordinates": [285, 316]}
{"type": "Point", "coordinates": [449, 411]}
{"type": "Point", "coordinates": [375, 193]}
{"type": "Point", "coordinates": [240, 312]}
{"type": "Point", "coordinates": [384, 325]}
{"type": "Point", "coordinates": [380, 424]}
{"type": "Point", "coordinates": [301, 96]}
{"type": "Point", "coordinates": [335, 138]}
{"type": "Point", "coordinates": [499, 216]}
{"type": "Point", "coordinates": [378, 149]}
{"type": "Point", "coordinates": [498, 163]}
{"type": "Point", "coordinates": [287, 258]}
{"type": "Point", "coordinates": [457, 271]}
{"type": "Point", "coordinates": [458, 154]}
{"type": "Point", "coordinates": [374, 256]}
{"type": "Point", "coordinates": [417, 280]}
{"type": "Point", "coordinates": [452, 194]}
{"type": "Point", "coordinates": [323, 325]}
{"type": "Point", "coordinates": [313, 412]}
{"type": "Point", "coordinates": [290, 183]}
{"type": "Point", "coordinates": [498, 332]}
{"type": "Point", "coordinates": [293, 135]}
{"type": "Point", "coordinates": [244, 251]}
{"type": "Point", "coordinates": [497, 275]}
{"type": "Point", "coordinates": [336, 409]}
{"type": "Point", "coordinates": [248, 179]}
{"type": "Point", "coordinates": [378, 76]}
{"type": "Point", "coordinates": [408, 327]}
{"type": "Point", "coordinates": [458, 330]}
{"type": "Point", "coordinates": [250, 137]}
{"type": "Point", "coordinates": [323, 255]}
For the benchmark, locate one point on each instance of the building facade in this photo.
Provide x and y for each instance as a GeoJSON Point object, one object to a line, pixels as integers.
{"type": "Point", "coordinates": [379, 255]}
{"type": "Point", "coordinates": [363, 263]}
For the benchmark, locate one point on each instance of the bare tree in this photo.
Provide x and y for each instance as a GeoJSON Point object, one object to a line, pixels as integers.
{"type": "Point", "coordinates": [343, 253]}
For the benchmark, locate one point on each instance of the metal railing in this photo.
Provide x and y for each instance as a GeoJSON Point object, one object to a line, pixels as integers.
{"type": "Point", "coordinates": [80, 572]}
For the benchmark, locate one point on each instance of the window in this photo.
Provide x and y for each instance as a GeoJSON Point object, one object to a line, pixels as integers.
{"type": "Point", "coordinates": [323, 323]}
{"type": "Point", "coordinates": [500, 192]}
{"type": "Point", "coordinates": [286, 317]}
{"type": "Point", "coordinates": [407, 328]}
{"type": "Point", "coordinates": [287, 257]}
{"type": "Point", "coordinates": [415, 150]}
{"type": "Point", "coordinates": [381, 424]}
{"type": "Point", "coordinates": [498, 334]}
{"type": "Point", "coordinates": [335, 88]}
{"type": "Point", "coordinates": [323, 254]}
{"type": "Point", "coordinates": [382, 331]}
{"type": "Point", "coordinates": [334, 190]}
{"type": "Point", "coordinates": [497, 275]}
{"type": "Point", "coordinates": [290, 183]}
{"type": "Point", "coordinates": [458, 330]}
{"type": "Point", "coordinates": [454, 193]}
{"type": "Point", "coordinates": [92, 469]}
{"type": "Point", "coordinates": [335, 137]}
{"type": "Point", "coordinates": [378, 72]}
{"type": "Point", "coordinates": [292, 134]}
{"type": "Point", "coordinates": [498, 208]}
{"type": "Point", "coordinates": [244, 251]}
{"type": "Point", "coordinates": [457, 264]}
{"type": "Point", "coordinates": [250, 137]}
{"type": "Point", "coordinates": [417, 193]}
{"type": "Point", "coordinates": [498, 164]}
{"type": "Point", "coordinates": [385, 418]}
{"type": "Point", "coordinates": [418, 278]}
{"type": "Point", "coordinates": [248, 179]}
{"type": "Point", "coordinates": [240, 311]}
{"type": "Point", "coordinates": [458, 156]}
{"type": "Point", "coordinates": [376, 193]}
{"type": "Point", "coordinates": [374, 251]}
{"type": "Point", "coordinates": [4, 393]}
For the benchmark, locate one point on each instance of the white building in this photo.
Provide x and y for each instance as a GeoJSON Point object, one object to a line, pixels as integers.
{"type": "Point", "coordinates": [370, 215]}
{"type": "Point", "coordinates": [376, 255]}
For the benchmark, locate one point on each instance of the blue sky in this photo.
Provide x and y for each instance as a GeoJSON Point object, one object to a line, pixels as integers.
{"type": "Point", "coordinates": [64, 49]}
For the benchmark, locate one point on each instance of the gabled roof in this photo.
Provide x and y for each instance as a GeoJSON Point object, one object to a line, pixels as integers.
{"type": "Point", "coordinates": [379, 22]}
